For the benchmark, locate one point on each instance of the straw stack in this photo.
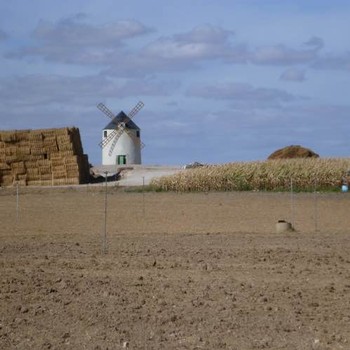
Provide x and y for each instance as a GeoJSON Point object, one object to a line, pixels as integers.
{"type": "Point", "coordinates": [42, 157]}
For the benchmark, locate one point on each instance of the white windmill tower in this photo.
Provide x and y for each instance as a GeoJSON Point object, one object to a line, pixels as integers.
{"type": "Point", "coordinates": [122, 136]}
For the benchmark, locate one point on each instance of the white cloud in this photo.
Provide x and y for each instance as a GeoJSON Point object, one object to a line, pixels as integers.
{"type": "Point", "coordinates": [57, 70]}
{"type": "Point", "coordinates": [181, 52]}
{"type": "Point", "coordinates": [202, 42]}
{"type": "Point", "coordinates": [71, 31]}
{"type": "Point", "coordinates": [315, 43]}
{"type": "Point", "coordinates": [293, 74]}
{"type": "Point", "coordinates": [205, 33]}
{"type": "Point", "coordinates": [282, 55]}
{"type": "Point", "coordinates": [42, 89]}
{"type": "Point", "coordinates": [241, 92]}
{"type": "Point", "coordinates": [167, 49]}
{"type": "Point", "coordinates": [72, 41]}
{"type": "Point", "coordinates": [334, 62]}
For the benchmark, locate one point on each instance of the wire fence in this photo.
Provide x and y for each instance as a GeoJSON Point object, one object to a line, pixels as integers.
{"type": "Point", "coordinates": [102, 212]}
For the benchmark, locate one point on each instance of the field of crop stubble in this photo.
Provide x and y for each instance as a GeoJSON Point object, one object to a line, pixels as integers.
{"type": "Point", "coordinates": [183, 271]}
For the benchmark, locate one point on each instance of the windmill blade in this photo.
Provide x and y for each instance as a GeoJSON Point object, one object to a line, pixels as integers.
{"type": "Point", "coordinates": [136, 140]}
{"type": "Point", "coordinates": [105, 141]}
{"type": "Point", "coordinates": [136, 109]}
{"type": "Point", "coordinates": [119, 127]}
{"type": "Point", "coordinates": [118, 133]}
{"type": "Point", "coordinates": [113, 146]}
{"type": "Point", "coordinates": [105, 110]}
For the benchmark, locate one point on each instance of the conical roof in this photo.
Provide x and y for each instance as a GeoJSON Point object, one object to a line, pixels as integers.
{"type": "Point", "coordinates": [121, 118]}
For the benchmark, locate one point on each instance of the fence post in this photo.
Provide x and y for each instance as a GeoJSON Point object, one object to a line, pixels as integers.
{"type": "Point", "coordinates": [17, 202]}
{"type": "Point", "coordinates": [292, 203]}
{"type": "Point", "coordinates": [143, 196]}
{"type": "Point", "coordinates": [104, 243]}
{"type": "Point", "coordinates": [315, 206]}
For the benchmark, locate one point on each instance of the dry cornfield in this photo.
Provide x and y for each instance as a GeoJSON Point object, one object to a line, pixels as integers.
{"type": "Point", "coordinates": [272, 175]}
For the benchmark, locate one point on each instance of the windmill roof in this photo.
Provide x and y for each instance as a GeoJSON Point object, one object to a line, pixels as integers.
{"type": "Point", "coordinates": [121, 118]}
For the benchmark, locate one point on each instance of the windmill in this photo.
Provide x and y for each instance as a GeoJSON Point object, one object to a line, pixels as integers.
{"type": "Point", "coordinates": [121, 143]}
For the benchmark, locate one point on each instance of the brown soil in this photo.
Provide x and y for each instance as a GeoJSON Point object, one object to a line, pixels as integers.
{"type": "Point", "coordinates": [182, 271]}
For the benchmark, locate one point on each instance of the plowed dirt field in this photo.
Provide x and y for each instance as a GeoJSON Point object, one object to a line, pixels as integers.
{"type": "Point", "coordinates": [181, 271]}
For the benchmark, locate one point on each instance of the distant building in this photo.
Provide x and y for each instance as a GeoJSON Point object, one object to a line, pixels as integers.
{"type": "Point", "coordinates": [125, 146]}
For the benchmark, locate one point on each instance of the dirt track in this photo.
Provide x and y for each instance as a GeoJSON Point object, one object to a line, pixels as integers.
{"type": "Point", "coordinates": [183, 271]}
{"type": "Point", "coordinates": [136, 175]}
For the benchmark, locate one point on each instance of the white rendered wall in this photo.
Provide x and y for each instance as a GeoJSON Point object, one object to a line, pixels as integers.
{"type": "Point", "coordinates": [124, 146]}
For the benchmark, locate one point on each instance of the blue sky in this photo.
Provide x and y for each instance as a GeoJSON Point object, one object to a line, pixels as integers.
{"type": "Point", "coordinates": [222, 81]}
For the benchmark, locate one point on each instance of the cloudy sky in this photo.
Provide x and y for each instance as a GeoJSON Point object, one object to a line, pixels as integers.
{"type": "Point", "coordinates": [222, 80]}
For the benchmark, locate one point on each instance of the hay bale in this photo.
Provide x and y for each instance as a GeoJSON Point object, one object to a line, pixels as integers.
{"type": "Point", "coordinates": [37, 151]}
{"type": "Point", "coordinates": [43, 162]}
{"type": "Point", "coordinates": [61, 182]}
{"type": "Point", "coordinates": [6, 172]}
{"type": "Point", "coordinates": [35, 136]}
{"type": "Point", "coordinates": [10, 151]}
{"type": "Point", "coordinates": [58, 168]}
{"type": "Point", "coordinates": [45, 169]}
{"type": "Point", "coordinates": [32, 169]}
{"type": "Point", "coordinates": [72, 166]}
{"type": "Point", "coordinates": [8, 137]}
{"type": "Point", "coordinates": [4, 166]}
{"type": "Point", "coordinates": [59, 174]}
{"type": "Point", "coordinates": [11, 159]}
{"type": "Point", "coordinates": [7, 180]}
{"type": "Point", "coordinates": [52, 148]}
{"type": "Point", "coordinates": [45, 176]}
{"type": "Point", "coordinates": [293, 152]}
{"type": "Point", "coordinates": [48, 133]}
{"type": "Point", "coordinates": [23, 150]}
{"type": "Point", "coordinates": [72, 181]}
{"type": "Point", "coordinates": [22, 135]}
{"type": "Point", "coordinates": [49, 137]}
{"type": "Point", "coordinates": [18, 168]}
{"type": "Point", "coordinates": [66, 147]}
{"type": "Point", "coordinates": [61, 132]}
{"type": "Point", "coordinates": [21, 182]}
{"type": "Point", "coordinates": [33, 174]}
{"type": "Point", "coordinates": [38, 156]}
{"type": "Point", "coordinates": [33, 182]}
{"type": "Point", "coordinates": [66, 154]}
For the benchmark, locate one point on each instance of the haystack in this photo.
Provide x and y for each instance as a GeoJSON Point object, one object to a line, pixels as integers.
{"type": "Point", "coordinates": [293, 152]}
{"type": "Point", "coordinates": [42, 157]}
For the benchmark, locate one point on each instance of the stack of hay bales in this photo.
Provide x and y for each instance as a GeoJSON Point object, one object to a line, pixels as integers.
{"type": "Point", "coordinates": [42, 157]}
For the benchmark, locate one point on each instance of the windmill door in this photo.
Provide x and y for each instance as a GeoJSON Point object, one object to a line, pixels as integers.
{"type": "Point", "coordinates": [121, 159]}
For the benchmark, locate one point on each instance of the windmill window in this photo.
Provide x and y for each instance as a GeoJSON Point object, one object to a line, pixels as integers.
{"type": "Point", "coordinates": [105, 133]}
{"type": "Point", "coordinates": [138, 133]}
